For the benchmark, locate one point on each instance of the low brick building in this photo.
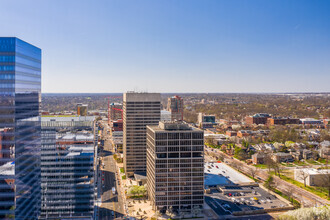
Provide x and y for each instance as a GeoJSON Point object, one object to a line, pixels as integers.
{"type": "Point", "coordinates": [260, 118]}
{"type": "Point", "coordinates": [282, 121]}
{"type": "Point", "coordinates": [258, 158]}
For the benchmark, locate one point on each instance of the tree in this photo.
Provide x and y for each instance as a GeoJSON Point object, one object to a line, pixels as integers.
{"type": "Point", "coordinates": [209, 140]}
{"type": "Point", "coordinates": [141, 191]}
{"type": "Point", "coordinates": [270, 183]}
{"type": "Point", "coordinates": [268, 161]}
{"type": "Point", "coordinates": [289, 193]}
{"type": "Point", "coordinates": [303, 175]}
{"type": "Point", "coordinates": [253, 171]}
{"type": "Point", "coordinates": [133, 190]}
{"type": "Point", "coordinates": [221, 157]}
{"type": "Point", "coordinates": [277, 168]}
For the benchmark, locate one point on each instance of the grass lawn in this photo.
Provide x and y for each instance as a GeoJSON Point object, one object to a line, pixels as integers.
{"type": "Point", "coordinates": [295, 203]}
{"type": "Point", "coordinates": [300, 163]}
{"type": "Point", "coordinates": [322, 160]}
{"type": "Point", "coordinates": [261, 166]}
{"type": "Point", "coordinates": [313, 162]}
{"type": "Point", "coordinates": [287, 164]}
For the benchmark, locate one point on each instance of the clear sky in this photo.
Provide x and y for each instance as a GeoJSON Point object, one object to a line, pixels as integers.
{"type": "Point", "coordinates": [176, 45]}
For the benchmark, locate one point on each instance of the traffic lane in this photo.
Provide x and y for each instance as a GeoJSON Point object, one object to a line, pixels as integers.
{"type": "Point", "coordinates": [119, 204]}
{"type": "Point", "coordinates": [110, 181]}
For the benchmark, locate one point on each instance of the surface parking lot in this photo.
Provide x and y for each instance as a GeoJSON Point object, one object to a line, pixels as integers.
{"type": "Point", "coordinates": [234, 199]}
{"type": "Point", "coordinates": [231, 191]}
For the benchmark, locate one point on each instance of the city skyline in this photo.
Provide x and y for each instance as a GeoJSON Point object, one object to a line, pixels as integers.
{"type": "Point", "coordinates": [206, 46]}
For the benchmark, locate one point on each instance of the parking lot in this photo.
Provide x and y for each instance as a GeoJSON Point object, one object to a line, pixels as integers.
{"type": "Point", "coordinates": [231, 191]}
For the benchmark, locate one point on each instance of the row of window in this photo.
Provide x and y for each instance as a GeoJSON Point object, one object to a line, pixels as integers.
{"type": "Point", "coordinates": [185, 135]}
{"type": "Point", "coordinates": [171, 203]}
{"type": "Point", "coordinates": [181, 148]}
{"type": "Point", "coordinates": [180, 143]}
{"type": "Point", "coordinates": [179, 155]}
{"type": "Point", "coordinates": [159, 198]}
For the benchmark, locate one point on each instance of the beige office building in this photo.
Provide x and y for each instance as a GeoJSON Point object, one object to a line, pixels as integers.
{"type": "Point", "coordinates": [175, 167]}
{"type": "Point", "coordinates": [139, 110]}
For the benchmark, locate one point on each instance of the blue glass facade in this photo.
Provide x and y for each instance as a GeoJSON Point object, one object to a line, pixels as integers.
{"type": "Point", "coordinates": [20, 141]}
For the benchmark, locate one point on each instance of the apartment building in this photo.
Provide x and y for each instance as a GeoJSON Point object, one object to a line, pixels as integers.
{"type": "Point", "coordinates": [175, 167]}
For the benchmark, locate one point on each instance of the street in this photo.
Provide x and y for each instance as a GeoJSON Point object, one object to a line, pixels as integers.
{"type": "Point", "coordinates": [112, 205]}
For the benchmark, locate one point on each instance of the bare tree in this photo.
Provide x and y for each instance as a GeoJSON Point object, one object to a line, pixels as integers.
{"type": "Point", "coordinates": [268, 161]}
{"type": "Point", "coordinates": [277, 168]}
{"type": "Point", "coordinates": [303, 175]}
{"type": "Point", "coordinates": [221, 157]}
{"type": "Point", "coordinates": [289, 193]}
{"type": "Point", "coordinates": [253, 171]}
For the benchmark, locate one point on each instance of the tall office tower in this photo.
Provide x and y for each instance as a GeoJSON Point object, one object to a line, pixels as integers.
{"type": "Point", "coordinates": [139, 110]}
{"type": "Point", "coordinates": [20, 85]}
{"type": "Point", "coordinates": [68, 160]}
{"type": "Point", "coordinates": [82, 109]}
{"type": "Point", "coordinates": [175, 106]}
{"type": "Point", "coordinates": [175, 167]}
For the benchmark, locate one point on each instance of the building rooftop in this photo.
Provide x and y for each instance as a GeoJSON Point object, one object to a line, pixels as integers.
{"type": "Point", "coordinates": [69, 118]}
{"type": "Point", "coordinates": [222, 174]}
{"type": "Point", "coordinates": [80, 150]}
{"type": "Point", "coordinates": [310, 119]}
{"type": "Point", "coordinates": [75, 136]}
{"type": "Point", "coordinates": [261, 115]}
{"type": "Point", "coordinates": [8, 169]}
{"type": "Point", "coordinates": [313, 171]}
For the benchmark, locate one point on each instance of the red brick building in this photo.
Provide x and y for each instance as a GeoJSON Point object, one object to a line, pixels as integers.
{"type": "Point", "coordinates": [260, 118]}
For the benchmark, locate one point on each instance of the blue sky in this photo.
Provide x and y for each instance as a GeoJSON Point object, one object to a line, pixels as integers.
{"type": "Point", "coordinates": [176, 45]}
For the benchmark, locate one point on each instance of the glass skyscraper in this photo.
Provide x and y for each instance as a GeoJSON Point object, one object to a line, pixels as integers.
{"type": "Point", "coordinates": [20, 141]}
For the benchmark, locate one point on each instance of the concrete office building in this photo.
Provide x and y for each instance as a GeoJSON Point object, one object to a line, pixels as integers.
{"type": "Point", "coordinates": [139, 110]}
{"type": "Point", "coordinates": [312, 177]}
{"type": "Point", "coordinates": [175, 106]}
{"type": "Point", "coordinates": [68, 167]}
{"type": "Point", "coordinates": [175, 167]}
{"type": "Point", "coordinates": [20, 85]}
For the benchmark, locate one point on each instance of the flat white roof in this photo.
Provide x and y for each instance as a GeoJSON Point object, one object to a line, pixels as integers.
{"type": "Point", "coordinates": [8, 169]}
{"type": "Point", "coordinates": [312, 171]}
{"type": "Point", "coordinates": [227, 175]}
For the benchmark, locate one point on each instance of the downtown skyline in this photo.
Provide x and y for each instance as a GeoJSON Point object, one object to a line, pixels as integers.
{"type": "Point", "coordinates": [203, 46]}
